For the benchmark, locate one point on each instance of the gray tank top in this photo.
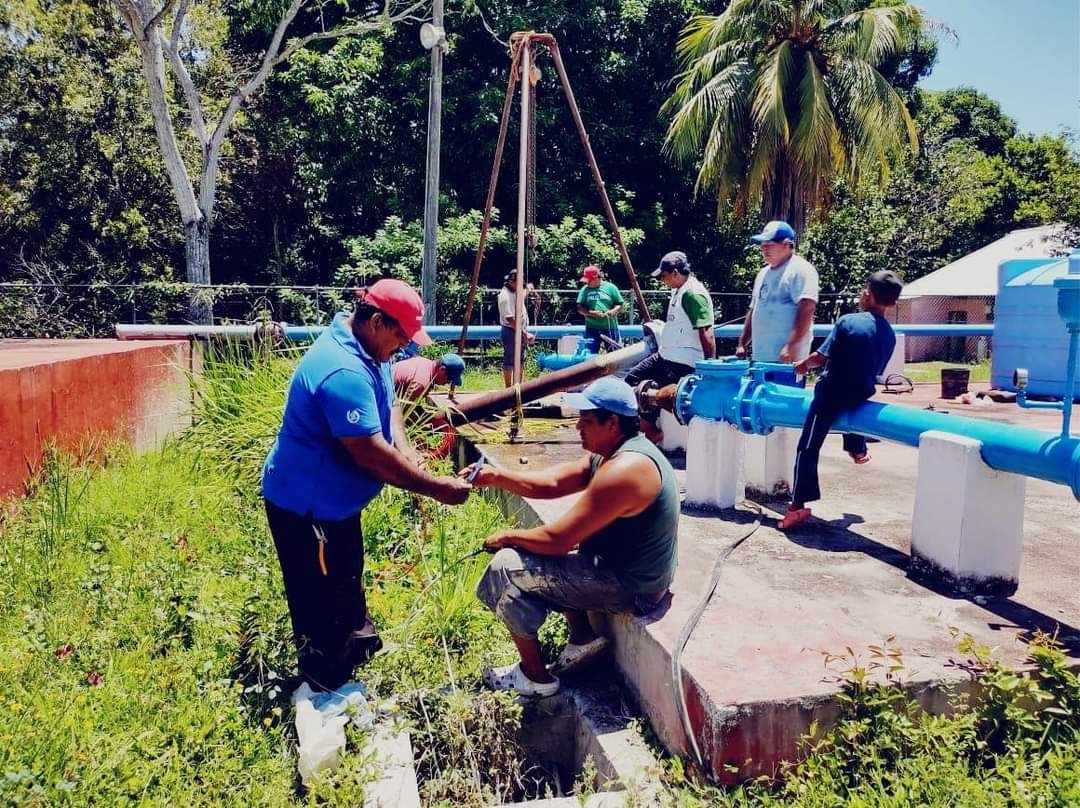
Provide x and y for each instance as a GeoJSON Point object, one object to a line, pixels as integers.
{"type": "Point", "coordinates": [641, 550]}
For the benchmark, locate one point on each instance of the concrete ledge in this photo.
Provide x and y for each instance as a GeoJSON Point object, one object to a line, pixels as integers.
{"type": "Point", "coordinates": [754, 669]}
{"type": "Point", "coordinates": [82, 394]}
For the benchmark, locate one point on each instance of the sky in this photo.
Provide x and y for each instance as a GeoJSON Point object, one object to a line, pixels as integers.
{"type": "Point", "coordinates": [1024, 54]}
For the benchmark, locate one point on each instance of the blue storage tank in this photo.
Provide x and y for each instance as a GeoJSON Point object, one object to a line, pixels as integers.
{"type": "Point", "coordinates": [1028, 333]}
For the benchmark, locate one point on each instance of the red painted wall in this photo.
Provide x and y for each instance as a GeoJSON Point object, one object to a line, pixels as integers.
{"type": "Point", "coordinates": [79, 393]}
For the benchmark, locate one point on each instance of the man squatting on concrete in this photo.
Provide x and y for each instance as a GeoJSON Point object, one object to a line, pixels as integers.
{"type": "Point", "coordinates": [342, 438]}
{"type": "Point", "coordinates": [777, 326]}
{"type": "Point", "coordinates": [854, 354]}
{"type": "Point", "coordinates": [624, 528]}
{"type": "Point", "coordinates": [687, 336]}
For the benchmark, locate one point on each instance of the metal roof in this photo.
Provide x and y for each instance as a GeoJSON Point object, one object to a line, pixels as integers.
{"type": "Point", "coordinates": [976, 274]}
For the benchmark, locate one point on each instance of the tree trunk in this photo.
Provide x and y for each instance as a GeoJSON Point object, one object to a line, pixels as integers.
{"type": "Point", "coordinates": [197, 250]}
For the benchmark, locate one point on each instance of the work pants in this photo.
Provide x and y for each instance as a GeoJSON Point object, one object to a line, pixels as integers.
{"type": "Point", "coordinates": [322, 564]}
{"type": "Point", "coordinates": [824, 410]}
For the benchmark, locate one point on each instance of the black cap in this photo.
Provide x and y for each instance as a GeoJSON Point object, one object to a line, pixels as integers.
{"type": "Point", "coordinates": [885, 285]}
{"type": "Point", "coordinates": [673, 262]}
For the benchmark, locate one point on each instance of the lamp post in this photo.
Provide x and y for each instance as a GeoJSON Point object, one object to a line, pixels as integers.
{"type": "Point", "coordinates": [433, 38]}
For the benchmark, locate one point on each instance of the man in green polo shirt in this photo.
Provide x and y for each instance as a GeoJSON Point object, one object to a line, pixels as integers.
{"type": "Point", "coordinates": [600, 303]}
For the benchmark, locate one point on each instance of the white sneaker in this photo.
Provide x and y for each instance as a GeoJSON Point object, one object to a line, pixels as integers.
{"type": "Point", "coordinates": [511, 677]}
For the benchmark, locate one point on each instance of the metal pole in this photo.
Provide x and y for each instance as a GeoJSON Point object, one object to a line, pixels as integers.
{"type": "Point", "coordinates": [486, 222]}
{"type": "Point", "coordinates": [597, 179]}
{"type": "Point", "coordinates": [428, 277]}
{"type": "Point", "coordinates": [480, 406]}
{"type": "Point", "coordinates": [523, 170]}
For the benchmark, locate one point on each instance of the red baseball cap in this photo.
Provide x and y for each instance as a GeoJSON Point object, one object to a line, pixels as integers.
{"type": "Point", "coordinates": [591, 273]}
{"type": "Point", "coordinates": [400, 301]}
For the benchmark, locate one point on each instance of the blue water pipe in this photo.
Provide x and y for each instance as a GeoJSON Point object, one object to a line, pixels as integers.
{"type": "Point", "coordinates": [558, 361]}
{"type": "Point", "coordinates": [758, 397]}
{"type": "Point", "coordinates": [1068, 306]}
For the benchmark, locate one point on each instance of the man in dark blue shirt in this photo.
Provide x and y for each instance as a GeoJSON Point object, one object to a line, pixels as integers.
{"type": "Point", "coordinates": [856, 353]}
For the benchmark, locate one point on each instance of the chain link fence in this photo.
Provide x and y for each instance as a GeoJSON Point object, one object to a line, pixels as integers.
{"type": "Point", "coordinates": [92, 310]}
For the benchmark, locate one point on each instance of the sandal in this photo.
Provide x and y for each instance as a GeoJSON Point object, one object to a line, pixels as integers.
{"type": "Point", "coordinates": [793, 518]}
{"type": "Point", "coordinates": [860, 459]}
{"type": "Point", "coordinates": [574, 656]}
{"type": "Point", "coordinates": [511, 677]}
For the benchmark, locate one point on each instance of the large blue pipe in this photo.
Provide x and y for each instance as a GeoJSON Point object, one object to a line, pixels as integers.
{"type": "Point", "coordinates": [755, 399]}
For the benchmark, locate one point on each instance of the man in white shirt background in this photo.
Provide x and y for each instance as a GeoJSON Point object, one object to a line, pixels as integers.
{"type": "Point", "coordinates": [508, 321]}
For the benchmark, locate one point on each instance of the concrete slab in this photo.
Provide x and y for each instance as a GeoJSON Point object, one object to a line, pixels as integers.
{"type": "Point", "coordinates": [754, 669]}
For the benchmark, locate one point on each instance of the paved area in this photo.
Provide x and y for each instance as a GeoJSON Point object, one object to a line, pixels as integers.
{"type": "Point", "coordinates": [754, 669]}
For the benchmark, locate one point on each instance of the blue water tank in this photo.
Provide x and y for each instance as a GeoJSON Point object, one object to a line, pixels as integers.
{"type": "Point", "coordinates": [1028, 333]}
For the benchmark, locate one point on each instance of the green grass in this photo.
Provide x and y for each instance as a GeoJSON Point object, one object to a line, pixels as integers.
{"type": "Point", "coordinates": [925, 372]}
{"type": "Point", "coordinates": [1017, 743]}
{"type": "Point", "coordinates": [144, 646]}
{"type": "Point", "coordinates": [145, 655]}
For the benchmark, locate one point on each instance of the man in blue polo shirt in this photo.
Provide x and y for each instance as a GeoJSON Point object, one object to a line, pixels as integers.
{"type": "Point", "coordinates": [341, 439]}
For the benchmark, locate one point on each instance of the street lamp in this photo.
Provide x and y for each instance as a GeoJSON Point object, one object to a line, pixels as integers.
{"type": "Point", "coordinates": [433, 38]}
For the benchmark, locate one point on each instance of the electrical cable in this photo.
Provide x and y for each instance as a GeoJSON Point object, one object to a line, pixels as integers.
{"type": "Point", "coordinates": [691, 624]}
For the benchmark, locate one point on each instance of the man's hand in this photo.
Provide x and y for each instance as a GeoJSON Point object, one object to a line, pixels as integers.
{"type": "Point", "coordinates": [787, 353]}
{"type": "Point", "coordinates": [801, 368]}
{"type": "Point", "coordinates": [530, 338]}
{"type": "Point", "coordinates": [740, 351]}
{"type": "Point", "coordinates": [497, 541]}
{"type": "Point", "coordinates": [486, 476]}
{"type": "Point", "coordinates": [450, 490]}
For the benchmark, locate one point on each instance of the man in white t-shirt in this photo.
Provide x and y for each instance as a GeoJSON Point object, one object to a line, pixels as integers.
{"type": "Point", "coordinates": [508, 321]}
{"type": "Point", "coordinates": [778, 325]}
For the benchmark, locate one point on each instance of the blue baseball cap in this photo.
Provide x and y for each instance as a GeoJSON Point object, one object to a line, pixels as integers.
{"type": "Point", "coordinates": [775, 231]}
{"type": "Point", "coordinates": [608, 393]}
{"type": "Point", "coordinates": [454, 365]}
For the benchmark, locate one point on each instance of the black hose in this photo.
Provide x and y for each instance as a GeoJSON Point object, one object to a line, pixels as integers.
{"type": "Point", "coordinates": [688, 628]}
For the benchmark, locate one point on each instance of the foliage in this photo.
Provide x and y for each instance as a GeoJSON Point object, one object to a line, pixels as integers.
{"type": "Point", "coordinates": [470, 754]}
{"type": "Point", "coordinates": [81, 197]}
{"type": "Point", "coordinates": [145, 653]}
{"type": "Point", "coordinates": [322, 173]}
{"type": "Point", "coordinates": [1015, 742]}
{"type": "Point", "coordinates": [779, 100]}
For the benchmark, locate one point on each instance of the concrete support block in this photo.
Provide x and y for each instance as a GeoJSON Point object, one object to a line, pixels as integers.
{"type": "Point", "coordinates": [396, 786]}
{"type": "Point", "coordinates": [769, 461]}
{"type": "Point", "coordinates": [714, 464]}
{"type": "Point", "coordinates": [675, 434]}
{"type": "Point", "coordinates": [967, 532]}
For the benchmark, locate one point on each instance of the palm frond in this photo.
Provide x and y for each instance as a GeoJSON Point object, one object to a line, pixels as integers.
{"type": "Point", "coordinates": [815, 144]}
{"type": "Point", "coordinates": [874, 34]}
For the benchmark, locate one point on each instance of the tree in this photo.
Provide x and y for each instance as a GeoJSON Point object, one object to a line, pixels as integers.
{"type": "Point", "coordinates": [778, 98]}
{"type": "Point", "coordinates": [165, 33]}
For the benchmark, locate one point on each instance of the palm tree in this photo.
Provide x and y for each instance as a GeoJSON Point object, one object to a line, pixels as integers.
{"type": "Point", "coordinates": [778, 98]}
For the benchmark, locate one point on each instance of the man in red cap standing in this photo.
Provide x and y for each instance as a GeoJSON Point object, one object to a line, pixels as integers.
{"type": "Point", "coordinates": [599, 302]}
{"type": "Point", "coordinates": [342, 438]}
